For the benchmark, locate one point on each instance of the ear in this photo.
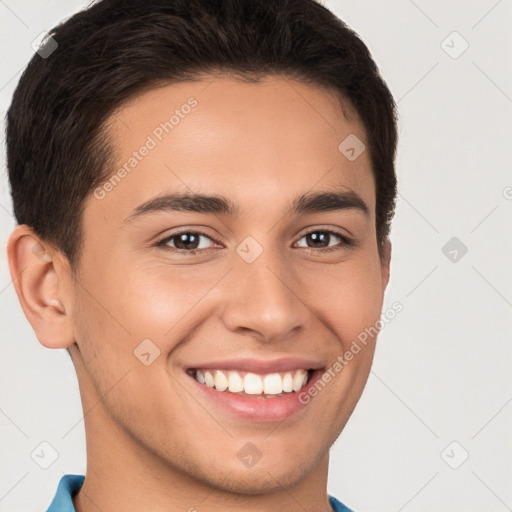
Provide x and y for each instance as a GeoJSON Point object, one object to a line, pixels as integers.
{"type": "Point", "coordinates": [385, 262]}
{"type": "Point", "coordinates": [42, 281]}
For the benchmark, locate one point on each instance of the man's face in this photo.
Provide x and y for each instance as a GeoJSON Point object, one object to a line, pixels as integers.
{"type": "Point", "coordinates": [255, 285]}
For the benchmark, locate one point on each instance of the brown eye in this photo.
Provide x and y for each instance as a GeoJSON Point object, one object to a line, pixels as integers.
{"type": "Point", "coordinates": [186, 241]}
{"type": "Point", "coordinates": [321, 239]}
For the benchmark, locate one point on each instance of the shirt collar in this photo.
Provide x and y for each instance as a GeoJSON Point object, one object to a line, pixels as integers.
{"type": "Point", "coordinates": [69, 485]}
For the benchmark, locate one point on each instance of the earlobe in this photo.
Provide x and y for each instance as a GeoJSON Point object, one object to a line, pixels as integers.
{"type": "Point", "coordinates": [38, 279]}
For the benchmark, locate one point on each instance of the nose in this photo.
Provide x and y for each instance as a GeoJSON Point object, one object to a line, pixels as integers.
{"type": "Point", "coordinates": [263, 300]}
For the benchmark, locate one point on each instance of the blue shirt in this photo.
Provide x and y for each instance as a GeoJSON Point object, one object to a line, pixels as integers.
{"type": "Point", "coordinates": [69, 485]}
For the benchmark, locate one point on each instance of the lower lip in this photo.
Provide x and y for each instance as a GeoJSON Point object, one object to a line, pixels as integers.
{"type": "Point", "coordinates": [260, 409]}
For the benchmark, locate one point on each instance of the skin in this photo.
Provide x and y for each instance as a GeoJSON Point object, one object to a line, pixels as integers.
{"type": "Point", "coordinates": [152, 442]}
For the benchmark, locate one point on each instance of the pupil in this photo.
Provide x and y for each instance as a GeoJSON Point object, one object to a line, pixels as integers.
{"type": "Point", "coordinates": [319, 237]}
{"type": "Point", "coordinates": [184, 241]}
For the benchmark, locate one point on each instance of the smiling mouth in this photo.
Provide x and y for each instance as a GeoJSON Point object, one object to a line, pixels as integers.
{"type": "Point", "coordinates": [253, 385]}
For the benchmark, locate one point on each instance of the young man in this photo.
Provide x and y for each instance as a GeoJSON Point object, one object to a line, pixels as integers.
{"type": "Point", "coordinates": [204, 191]}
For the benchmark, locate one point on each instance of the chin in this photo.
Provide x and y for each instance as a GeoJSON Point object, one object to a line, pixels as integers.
{"type": "Point", "coordinates": [266, 479]}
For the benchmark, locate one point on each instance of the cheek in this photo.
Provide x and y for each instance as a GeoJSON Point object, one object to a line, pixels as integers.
{"type": "Point", "coordinates": [109, 332]}
{"type": "Point", "coordinates": [140, 301]}
{"type": "Point", "coordinates": [160, 299]}
{"type": "Point", "coordinates": [348, 297]}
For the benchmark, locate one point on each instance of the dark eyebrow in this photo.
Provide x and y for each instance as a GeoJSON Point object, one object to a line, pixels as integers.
{"type": "Point", "coordinates": [201, 203]}
{"type": "Point", "coordinates": [329, 201]}
{"type": "Point", "coordinates": [186, 202]}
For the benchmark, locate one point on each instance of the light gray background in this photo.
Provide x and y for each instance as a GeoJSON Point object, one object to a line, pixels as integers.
{"type": "Point", "coordinates": [442, 367]}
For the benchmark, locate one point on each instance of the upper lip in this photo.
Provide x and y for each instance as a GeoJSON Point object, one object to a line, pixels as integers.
{"type": "Point", "coordinates": [261, 365]}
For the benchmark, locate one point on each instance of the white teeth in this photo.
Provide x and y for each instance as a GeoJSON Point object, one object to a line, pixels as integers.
{"type": "Point", "coordinates": [288, 382]}
{"type": "Point", "coordinates": [253, 384]}
{"type": "Point", "coordinates": [271, 385]}
{"type": "Point", "coordinates": [208, 378]}
{"type": "Point", "coordinates": [299, 380]}
{"type": "Point", "coordinates": [236, 384]}
{"type": "Point", "coordinates": [221, 382]}
{"type": "Point", "coordinates": [200, 376]}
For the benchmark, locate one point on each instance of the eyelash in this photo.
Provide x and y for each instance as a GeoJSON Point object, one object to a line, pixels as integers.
{"type": "Point", "coordinates": [347, 242]}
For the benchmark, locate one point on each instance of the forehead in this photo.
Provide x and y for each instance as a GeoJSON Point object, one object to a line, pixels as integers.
{"type": "Point", "coordinates": [258, 143]}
